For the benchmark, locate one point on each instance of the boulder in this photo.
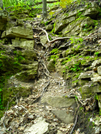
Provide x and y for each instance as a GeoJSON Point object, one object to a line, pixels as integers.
{"type": "Point", "coordinates": [90, 89]}
{"type": "Point", "coordinates": [99, 70]}
{"type": "Point", "coordinates": [96, 63]}
{"type": "Point", "coordinates": [40, 127]}
{"type": "Point", "coordinates": [96, 78]}
{"type": "Point", "coordinates": [86, 75]}
{"type": "Point", "coordinates": [20, 32]}
{"type": "Point", "coordinates": [92, 10]}
{"type": "Point", "coordinates": [63, 116]}
{"type": "Point", "coordinates": [43, 39]}
{"type": "Point", "coordinates": [49, 27]}
{"type": "Point", "coordinates": [58, 101]}
{"type": "Point", "coordinates": [24, 44]}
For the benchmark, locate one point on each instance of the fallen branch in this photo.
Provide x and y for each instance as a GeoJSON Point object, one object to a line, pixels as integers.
{"type": "Point", "coordinates": [52, 41]}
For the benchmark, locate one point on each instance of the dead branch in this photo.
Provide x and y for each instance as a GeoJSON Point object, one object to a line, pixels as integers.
{"type": "Point", "coordinates": [60, 38]}
{"type": "Point", "coordinates": [52, 41]}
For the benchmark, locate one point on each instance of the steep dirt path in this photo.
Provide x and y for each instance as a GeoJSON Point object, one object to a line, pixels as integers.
{"type": "Point", "coordinates": [49, 109]}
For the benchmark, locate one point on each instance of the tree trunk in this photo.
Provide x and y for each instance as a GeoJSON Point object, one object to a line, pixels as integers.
{"type": "Point", "coordinates": [1, 4]}
{"type": "Point", "coordinates": [44, 8]}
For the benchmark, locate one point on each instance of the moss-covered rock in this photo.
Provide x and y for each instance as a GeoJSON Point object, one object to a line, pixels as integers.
{"type": "Point", "coordinates": [62, 23]}
{"type": "Point", "coordinates": [89, 89]}
{"type": "Point", "coordinates": [29, 74]}
{"type": "Point", "coordinates": [29, 56]}
{"type": "Point", "coordinates": [23, 43]}
{"type": "Point", "coordinates": [20, 32]}
{"type": "Point", "coordinates": [79, 25]}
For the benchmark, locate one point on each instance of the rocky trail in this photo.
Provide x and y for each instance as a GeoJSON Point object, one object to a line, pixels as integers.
{"type": "Point", "coordinates": [51, 108]}
{"type": "Point", "coordinates": [47, 110]}
{"type": "Point", "coordinates": [54, 65]}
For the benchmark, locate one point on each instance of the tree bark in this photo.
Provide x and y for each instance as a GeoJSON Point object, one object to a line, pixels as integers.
{"type": "Point", "coordinates": [44, 8]}
{"type": "Point", "coordinates": [1, 4]}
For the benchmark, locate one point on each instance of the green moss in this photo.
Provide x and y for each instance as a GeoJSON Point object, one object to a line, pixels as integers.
{"type": "Point", "coordinates": [79, 14]}
{"type": "Point", "coordinates": [75, 67]}
{"type": "Point", "coordinates": [53, 30]}
{"type": "Point", "coordinates": [76, 40]}
{"type": "Point", "coordinates": [76, 81]}
{"type": "Point", "coordinates": [54, 51]}
{"type": "Point", "coordinates": [54, 57]}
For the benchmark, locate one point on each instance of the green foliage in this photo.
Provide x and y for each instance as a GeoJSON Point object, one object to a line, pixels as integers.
{"type": "Point", "coordinates": [96, 53]}
{"type": "Point", "coordinates": [76, 67]}
{"type": "Point", "coordinates": [18, 57]}
{"type": "Point", "coordinates": [81, 108]}
{"type": "Point", "coordinates": [64, 71]}
{"type": "Point", "coordinates": [76, 81]}
{"type": "Point", "coordinates": [25, 4]}
{"type": "Point", "coordinates": [76, 98]}
{"type": "Point", "coordinates": [64, 3]}
{"type": "Point", "coordinates": [78, 14]}
{"type": "Point", "coordinates": [54, 51]}
{"type": "Point", "coordinates": [54, 57]}
{"type": "Point", "coordinates": [96, 97]}
{"type": "Point", "coordinates": [17, 3]}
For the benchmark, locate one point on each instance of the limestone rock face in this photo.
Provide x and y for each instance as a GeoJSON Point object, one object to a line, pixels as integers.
{"type": "Point", "coordinates": [75, 27]}
{"type": "Point", "coordinates": [96, 63]}
{"type": "Point", "coordinates": [71, 23]}
{"type": "Point", "coordinates": [61, 23]}
{"type": "Point", "coordinates": [20, 32]}
{"type": "Point", "coordinates": [92, 11]}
